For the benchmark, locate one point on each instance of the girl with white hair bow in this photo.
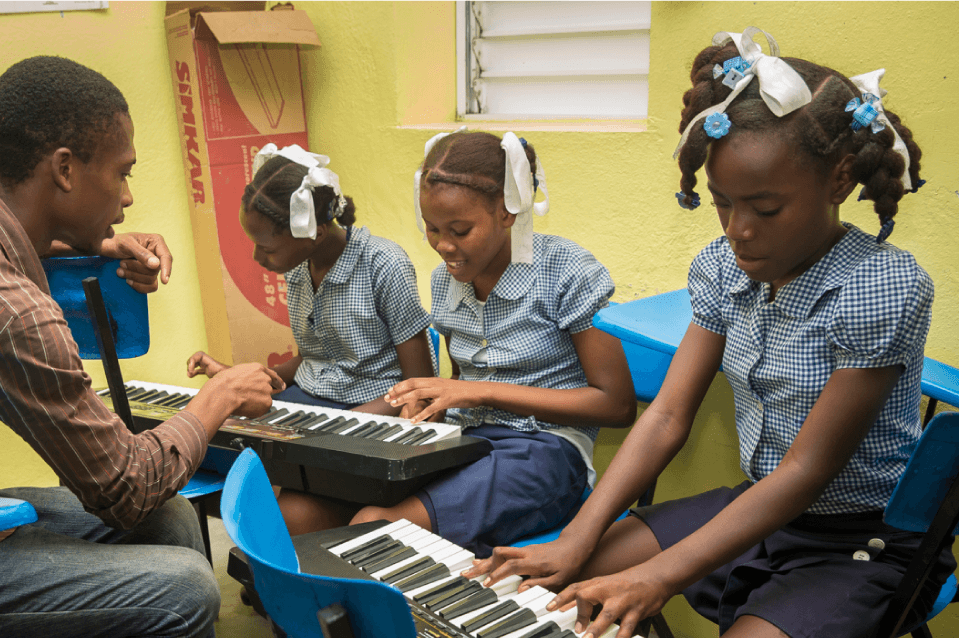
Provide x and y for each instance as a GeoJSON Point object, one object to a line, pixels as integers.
{"type": "Point", "coordinates": [530, 372]}
{"type": "Point", "coordinates": [352, 298]}
{"type": "Point", "coordinates": [819, 328]}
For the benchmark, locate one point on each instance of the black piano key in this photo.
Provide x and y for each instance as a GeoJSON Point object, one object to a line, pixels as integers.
{"type": "Point", "coordinates": [482, 598]}
{"type": "Point", "coordinates": [135, 393]}
{"type": "Point", "coordinates": [361, 550]}
{"type": "Point", "coordinates": [432, 434]}
{"type": "Point", "coordinates": [464, 592]}
{"type": "Point", "coordinates": [407, 570]}
{"type": "Point", "coordinates": [301, 417]}
{"type": "Point", "coordinates": [567, 634]}
{"type": "Point", "coordinates": [503, 609]}
{"type": "Point", "coordinates": [409, 435]}
{"type": "Point", "coordinates": [274, 415]}
{"type": "Point", "coordinates": [377, 553]}
{"type": "Point", "coordinates": [307, 426]}
{"type": "Point", "coordinates": [435, 593]}
{"type": "Point", "coordinates": [332, 423]}
{"type": "Point", "coordinates": [346, 425]}
{"type": "Point", "coordinates": [182, 402]}
{"type": "Point", "coordinates": [419, 438]}
{"type": "Point", "coordinates": [390, 560]}
{"type": "Point", "coordinates": [159, 395]}
{"type": "Point", "coordinates": [170, 400]}
{"type": "Point", "coordinates": [376, 429]}
{"type": "Point", "coordinates": [432, 574]}
{"type": "Point", "coordinates": [288, 419]}
{"type": "Point", "coordinates": [549, 630]}
{"type": "Point", "coordinates": [146, 396]}
{"type": "Point", "coordinates": [522, 618]}
{"type": "Point", "coordinates": [360, 431]}
{"type": "Point", "coordinates": [388, 432]}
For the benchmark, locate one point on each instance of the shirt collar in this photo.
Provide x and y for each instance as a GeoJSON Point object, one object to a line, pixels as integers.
{"type": "Point", "coordinates": [513, 284]}
{"type": "Point", "coordinates": [345, 264]}
{"type": "Point", "coordinates": [19, 250]}
{"type": "Point", "coordinates": [797, 298]}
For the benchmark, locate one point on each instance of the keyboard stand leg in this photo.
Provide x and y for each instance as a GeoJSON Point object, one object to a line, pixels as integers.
{"type": "Point", "coordinates": [334, 622]}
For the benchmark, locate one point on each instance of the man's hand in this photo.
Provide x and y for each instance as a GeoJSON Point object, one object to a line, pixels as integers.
{"type": "Point", "coordinates": [143, 255]}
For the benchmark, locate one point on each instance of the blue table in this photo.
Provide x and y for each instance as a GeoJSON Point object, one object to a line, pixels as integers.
{"type": "Point", "coordinates": [651, 329]}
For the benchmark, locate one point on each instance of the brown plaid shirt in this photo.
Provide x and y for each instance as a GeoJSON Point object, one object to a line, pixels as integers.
{"type": "Point", "coordinates": [46, 398]}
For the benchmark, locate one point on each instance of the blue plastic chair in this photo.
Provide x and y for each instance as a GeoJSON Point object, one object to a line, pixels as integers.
{"type": "Point", "coordinates": [129, 323]}
{"type": "Point", "coordinates": [15, 512]}
{"type": "Point", "coordinates": [926, 500]}
{"type": "Point", "coordinates": [291, 598]}
{"type": "Point", "coordinates": [434, 348]}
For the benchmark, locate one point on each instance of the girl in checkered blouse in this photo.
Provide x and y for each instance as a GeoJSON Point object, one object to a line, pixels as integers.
{"type": "Point", "coordinates": [530, 372]}
{"type": "Point", "coordinates": [820, 329]}
{"type": "Point", "coordinates": [352, 298]}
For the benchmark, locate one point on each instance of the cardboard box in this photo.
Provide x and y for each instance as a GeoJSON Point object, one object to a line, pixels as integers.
{"type": "Point", "coordinates": [236, 79]}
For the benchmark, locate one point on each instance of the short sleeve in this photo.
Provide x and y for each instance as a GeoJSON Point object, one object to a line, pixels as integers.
{"type": "Point", "coordinates": [584, 286]}
{"type": "Point", "coordinates": [439, 292]}
{"type": "Point", "coordinates": [705, 287]}
{"type": "Point", "coordinates": [883, 313]}
{"type": "Point", "coordinates": [396, 294]}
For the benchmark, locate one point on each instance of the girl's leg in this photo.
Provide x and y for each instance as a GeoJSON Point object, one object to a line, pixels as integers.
{"type": "Point", "coordinates": [308, 513]}
{"type": "Point", "coordinates": [411, 508]}
{"type": "Point", "coordinates": [625, 544]}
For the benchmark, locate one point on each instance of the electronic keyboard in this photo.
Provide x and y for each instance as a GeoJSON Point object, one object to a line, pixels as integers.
{"type": "Point", "coordinates": [354, 456]}
{"type": "Point", "coordinates": [426, 568]}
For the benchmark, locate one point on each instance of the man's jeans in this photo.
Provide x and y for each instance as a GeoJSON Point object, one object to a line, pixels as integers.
{"type": "Point", "coordinates": [68, 574]}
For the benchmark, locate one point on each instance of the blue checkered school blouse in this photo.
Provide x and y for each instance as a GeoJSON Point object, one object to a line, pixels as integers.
{"type": "Point", "coordinates": [348, 330]}
{"type": "Point", "coordinates": [523, 334]}
{"type": "Point", "coordinates": [863, 305]}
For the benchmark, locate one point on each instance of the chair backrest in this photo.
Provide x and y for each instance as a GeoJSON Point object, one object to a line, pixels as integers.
{"type": "Point", "coordinates": [292, 599]}
{"type": "Point", "coordinates": [926, 500]}
{"type": "Point", "coordinates": [931, 470]}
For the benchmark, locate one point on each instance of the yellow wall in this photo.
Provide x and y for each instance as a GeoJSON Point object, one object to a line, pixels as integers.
{"type": "Point", "coordinates": [384, 79]}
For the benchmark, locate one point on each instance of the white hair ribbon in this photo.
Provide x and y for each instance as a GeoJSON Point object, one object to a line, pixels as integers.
{"type": "Point", "coordinates": [519, 194]}
{"type": "Point", "coordinates": [869, 83]}
{"type": "Point", "coordinates": [302, 212]}
{"type": "Point", "coordinates": [781, 87]}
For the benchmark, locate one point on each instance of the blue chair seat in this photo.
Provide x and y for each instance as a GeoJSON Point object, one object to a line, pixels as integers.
{"type": "Point", "coordinates": [15, 512]}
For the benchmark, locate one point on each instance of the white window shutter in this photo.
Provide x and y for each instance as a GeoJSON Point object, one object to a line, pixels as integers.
{"type": "Point", "coordinates": [555, 59]}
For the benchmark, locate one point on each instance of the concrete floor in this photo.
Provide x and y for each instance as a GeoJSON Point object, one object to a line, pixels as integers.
{"type": "Point", "coordinates": [236, 619]}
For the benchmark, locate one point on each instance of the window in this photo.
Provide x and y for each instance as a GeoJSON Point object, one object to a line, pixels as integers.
{"type": "Point", "coordinates": [547, 60]}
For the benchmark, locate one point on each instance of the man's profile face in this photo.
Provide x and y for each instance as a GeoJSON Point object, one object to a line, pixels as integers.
{"type": "Point", "coordinates": [101, 191]}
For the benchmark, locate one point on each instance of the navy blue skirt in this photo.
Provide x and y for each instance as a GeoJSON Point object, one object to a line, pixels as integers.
{"type": "Point", "coordinates": [296, 394]}
{"type": "Point", "coordinates": [527, 484]}
{"type": "Point", "coordinates": [820, 576]}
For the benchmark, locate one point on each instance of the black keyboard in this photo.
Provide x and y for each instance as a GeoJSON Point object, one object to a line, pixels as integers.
{"type": "Point", "coordinates": [426, 569]}
{"type": "Point", "coordinates": [358, 457]}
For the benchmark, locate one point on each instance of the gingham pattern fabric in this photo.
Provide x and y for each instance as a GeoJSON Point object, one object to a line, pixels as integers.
{"type": "Point", "coordinates": [863, 305]}
{"type": "Point", "coordinates": [348, 330]}
{"type": "Point", "coordinates": [526, 326]}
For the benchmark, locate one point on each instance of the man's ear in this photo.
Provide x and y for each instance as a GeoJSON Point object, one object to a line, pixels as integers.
{"type": "Point", "coordinates": [62, 164]}
{"type": "Point", "coordinates": [844, 183]}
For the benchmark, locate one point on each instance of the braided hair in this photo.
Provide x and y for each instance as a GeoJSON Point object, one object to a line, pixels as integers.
{"type": "Point", "coordinates": [48, 102]}
{"type": "Point", "coordinates": [821, 129]}
{"type": "Point", "coordinates": [473, 159]}
{"type": "Point", "coordinates": [270, 191]}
